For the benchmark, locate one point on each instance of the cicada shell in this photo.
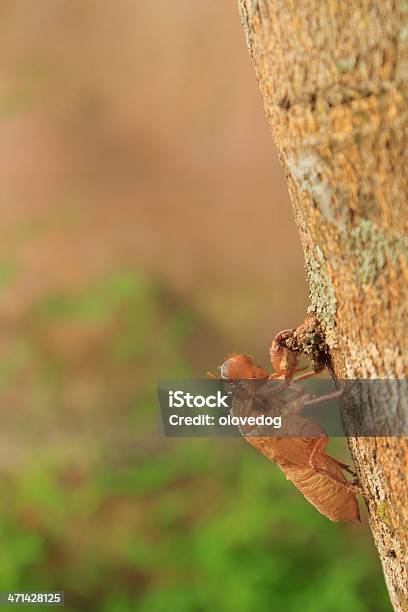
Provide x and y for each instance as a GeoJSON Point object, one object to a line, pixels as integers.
{"type": "Point", "coordinates": [299, 450]}
{"type": "Point", "coordinates": [328, 493]}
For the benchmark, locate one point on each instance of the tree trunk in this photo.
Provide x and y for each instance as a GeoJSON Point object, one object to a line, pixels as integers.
{"type": "Point", "coordinates": [334, 81]}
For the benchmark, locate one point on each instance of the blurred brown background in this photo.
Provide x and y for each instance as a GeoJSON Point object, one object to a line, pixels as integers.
{"type": "Point", "coordinates": [133, 134]}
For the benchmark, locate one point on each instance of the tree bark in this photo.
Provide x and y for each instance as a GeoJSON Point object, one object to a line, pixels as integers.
{"type": "Point", "coordinates": [334, 80]}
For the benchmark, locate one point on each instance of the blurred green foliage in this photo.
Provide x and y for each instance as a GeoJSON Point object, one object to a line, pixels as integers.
{"type": "Point", "coordinates": [102, 507]}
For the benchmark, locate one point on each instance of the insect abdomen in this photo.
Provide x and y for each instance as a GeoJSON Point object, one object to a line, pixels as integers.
{"type": "Point", "coordinates": [329, 497]}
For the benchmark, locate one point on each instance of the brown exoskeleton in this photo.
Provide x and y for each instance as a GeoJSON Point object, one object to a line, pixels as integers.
{"type": "Point", "coordinates": [300, 448]}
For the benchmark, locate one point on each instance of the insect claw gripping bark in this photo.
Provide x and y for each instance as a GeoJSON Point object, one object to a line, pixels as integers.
{"type": "Point", "coordinates": [300, 450]}
{"type": "Point", "coordinates": [317, 452]}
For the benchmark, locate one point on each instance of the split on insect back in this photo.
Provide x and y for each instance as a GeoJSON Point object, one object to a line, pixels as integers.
{"type": "Point", "coordinates": [299, 447]}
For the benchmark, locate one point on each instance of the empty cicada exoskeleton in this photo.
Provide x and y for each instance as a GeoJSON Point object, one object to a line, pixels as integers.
{"type": "Point", "coordinates": [298, 447]}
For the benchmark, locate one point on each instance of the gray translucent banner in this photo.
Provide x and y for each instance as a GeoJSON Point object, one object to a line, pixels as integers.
{"type": "Point", "coordinates": [212, 407]}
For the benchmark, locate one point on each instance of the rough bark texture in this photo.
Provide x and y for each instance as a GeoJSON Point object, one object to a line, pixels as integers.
{"type": "Point", "coordinates": [334, 80]}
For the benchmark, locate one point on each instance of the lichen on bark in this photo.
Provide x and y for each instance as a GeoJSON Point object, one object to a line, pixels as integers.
{"type": "Point", "coordinates": [323, 300]}
{"type": "Point", "coordinates": [373, 248]}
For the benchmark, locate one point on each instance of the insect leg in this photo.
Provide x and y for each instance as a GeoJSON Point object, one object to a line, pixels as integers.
{"type": "Point", "coordinates": [306, 375]}
{"type": "Point", "coordinates": [324, 398]}
{"type": "Point", "coordinates": [346, 467]}
{"type": "Point", "coordinates": [318, 449]}
{"type": "Point", "coordinates": [296, 392]}
{"type": "Point", "coordinates": [329, 396]}
{"type": "Point", "coordinates": [293, 402]}
{"type": "Point", "coordinates": [271, 389]}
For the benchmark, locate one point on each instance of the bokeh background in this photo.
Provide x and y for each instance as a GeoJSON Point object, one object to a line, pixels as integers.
{"type": "Point", "coordinates": [146, 232]}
